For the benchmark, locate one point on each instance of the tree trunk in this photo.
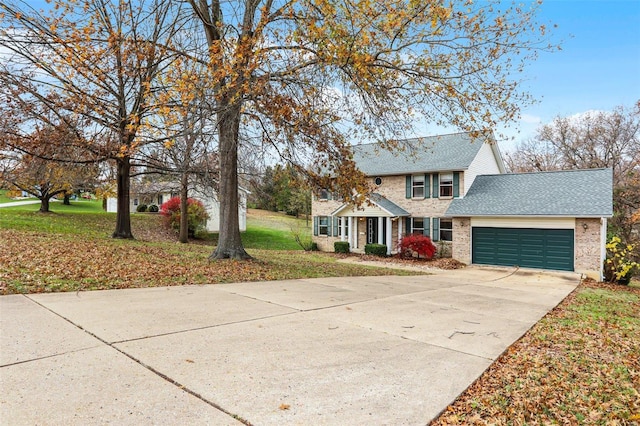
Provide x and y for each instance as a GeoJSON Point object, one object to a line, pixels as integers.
{"type": "Point", "coordinates": [44, 205]}
{"type": "Point", "coordinates": [67, 198]}
{"type": "Point", "coordinates": [123, 216]}
{"type": "Point", "coordinates": [184, 216]}
{"type": "Point", "coordinates": [229, 240]}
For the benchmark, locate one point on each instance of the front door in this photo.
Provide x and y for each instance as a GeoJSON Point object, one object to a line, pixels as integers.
{"type": "Point", "coordinates": [372, 230]}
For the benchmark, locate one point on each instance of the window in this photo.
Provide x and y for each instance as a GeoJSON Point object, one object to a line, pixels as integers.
{"type": "Point", "coordinates": [446, 184]}
{"type": "Point", "coordinates": [417, 186]}
{"type": "Point", "coordinates": [324, 195]}
{"type": "Point", "coordinates": [323, 225]}
{"type": "Point", "coordinates": [446, 229]}
{"type": "Point", "coordinates": [378, 181]}
{"type": "Point", "coordinates": [135, 202]}
{"type": "Point", "coordinates": [417, 225]}
{"type": "Point", "coordinates": [159, 200]}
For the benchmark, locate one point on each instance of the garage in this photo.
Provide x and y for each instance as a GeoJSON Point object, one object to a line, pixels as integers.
{"type": "Point", "coordinates": [524, 247]}
{"type": "Point", "coordinates": [545, 220]}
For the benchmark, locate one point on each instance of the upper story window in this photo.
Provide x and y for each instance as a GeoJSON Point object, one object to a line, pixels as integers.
{"type": "Point", "coordinates": [446, 184]}
{"type": "Point", "coordinates": [417, 186]}
{"type": "Point", "coordinates": [324, 195]}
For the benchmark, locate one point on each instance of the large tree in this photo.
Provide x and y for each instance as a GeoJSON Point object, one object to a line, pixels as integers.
{"type": "Point", "coordinates": [42, 169]}
{"type": "Point", "coordinates": [308, 77]}
{"type": "Point", "coordinates": [596, 139]}
{"type": "Point", "coordinates": [96, 61]}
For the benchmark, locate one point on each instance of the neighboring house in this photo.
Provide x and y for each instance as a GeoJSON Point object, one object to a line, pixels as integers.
{"type": "Point", "coordinates": [159, 192]}
{"type": "Point", "coordinates": [428, 188]}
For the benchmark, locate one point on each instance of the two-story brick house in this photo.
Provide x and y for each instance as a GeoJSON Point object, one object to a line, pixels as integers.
{"type": "Point", "coordinates": [413, 190]}
{"type": "Point", "coordinates": [454, 189]}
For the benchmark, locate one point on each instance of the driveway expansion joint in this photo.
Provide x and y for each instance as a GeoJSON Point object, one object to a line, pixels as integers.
{"type": "Point", "coordinates": [142, 364]}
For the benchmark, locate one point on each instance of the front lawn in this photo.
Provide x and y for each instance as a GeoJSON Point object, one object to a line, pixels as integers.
{"type": "Point", "coordinates": [70, 251]}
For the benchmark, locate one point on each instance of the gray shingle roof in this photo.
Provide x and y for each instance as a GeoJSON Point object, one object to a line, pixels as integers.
{"type": "Point", "coordinates": [575, 193]}
{"type": "Point", "coordinates": [387, 205]}
{"type": "Point", "coordinates": [434, 153]}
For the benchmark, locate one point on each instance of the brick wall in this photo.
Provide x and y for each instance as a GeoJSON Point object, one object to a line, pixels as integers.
{"type": "Point", "coordinates": [461, 247]}
{"type": "Point", "coordinates": [394, 189]}
{"type": "Point", "coordinates": [588, 247]}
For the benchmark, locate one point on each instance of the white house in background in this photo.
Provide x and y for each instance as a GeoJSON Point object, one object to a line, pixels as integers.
{"type": "Point", "coordinates": [157, 193]}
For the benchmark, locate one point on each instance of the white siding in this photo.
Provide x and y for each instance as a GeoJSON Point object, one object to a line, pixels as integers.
{"type": "Point", "coordinates": [485, 163]}
{"type": "Point", "coordinates": [525, 222]}
{"type": "Point", "coordinates": [364, 211]}
{"type": "Point", "coordinates": [213, 209]}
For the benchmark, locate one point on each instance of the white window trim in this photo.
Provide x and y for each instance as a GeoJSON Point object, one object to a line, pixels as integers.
{"type": "Point", "coordinates": [441, 185]}
{"type": "Point", "coordinates": [414, 186]}
{"type": "Point", "coordinates": [413, 229]}
{"type": "Point", "coordinates": [326, 226]}
{"type": "Point", "coordinates": [446, 229]}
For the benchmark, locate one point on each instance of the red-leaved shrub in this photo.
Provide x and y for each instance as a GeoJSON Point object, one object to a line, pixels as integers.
{"type": "Point", "coordinates": [196, 212]}
{"type": "Point", "coordinates": [418, 244]}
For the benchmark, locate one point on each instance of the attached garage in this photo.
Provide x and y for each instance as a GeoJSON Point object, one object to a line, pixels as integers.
{"type": "Point", "coordinates": [525, 247]}
{"type": "Point", "coordinates": [546, 220]}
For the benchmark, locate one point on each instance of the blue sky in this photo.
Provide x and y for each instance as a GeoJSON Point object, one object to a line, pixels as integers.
{"type": "Point", "coordinates": [598, 67]}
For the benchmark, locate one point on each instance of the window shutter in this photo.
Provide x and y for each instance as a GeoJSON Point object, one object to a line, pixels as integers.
{"type": "Point", "coordinates": [425, 224]}
{"type": "Point", "coordinates": [336, 228]}
{"type": "Point", "coordinates": [436, 186]}
{"type": "Point", "coordinates": [427, 185]}
{"type": "Point", "coordinates": [315, 225]}
{"type": "Point", "coordinates": [408, 194]}
{"type": "Point", "coordinates": [456, 184]}
{"type": "Point", "coordinates": [407, 225]}
{"type": "Point", "coordinates": [436, 229]}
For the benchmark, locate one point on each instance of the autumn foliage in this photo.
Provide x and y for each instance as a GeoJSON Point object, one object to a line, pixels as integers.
{"type": "Point", "coordinates": [196, 212]}
{"type": "Point", "coordinates": [418, 244]}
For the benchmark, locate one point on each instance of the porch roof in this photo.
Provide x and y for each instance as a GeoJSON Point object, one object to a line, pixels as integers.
{"type": "Point", "coordinates": [389, 208]}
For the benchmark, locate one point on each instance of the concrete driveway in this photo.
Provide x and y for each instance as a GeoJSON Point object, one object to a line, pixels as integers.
{"type": "Point", "coordinates": [370, 350]}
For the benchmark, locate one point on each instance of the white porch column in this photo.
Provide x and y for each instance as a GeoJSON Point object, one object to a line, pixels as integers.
{"type": "Point", "coordinates": [343, 233]}
{"type": "Point", "coordinates": [350, 233]}
{"type": "Point", "coordinates": [380, 229]}
{"type": "Point", "coordinates": [389, 238]}
{"type": "Point", "coordinates": [355, 232]}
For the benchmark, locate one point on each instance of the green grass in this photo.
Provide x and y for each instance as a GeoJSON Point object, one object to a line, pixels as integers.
{"type": "Point", "coordinates": [87, 217]}
{"type": "Point", "coordinates": [268, 239]}
{"type": "Point", "coordinates": [5, 199]}
{"type": "Point", "coordinates": [81, 217]}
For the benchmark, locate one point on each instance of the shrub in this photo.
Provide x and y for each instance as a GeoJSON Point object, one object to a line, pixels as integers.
{"type": "Point", "coordinates": [342, 247]}
{"type": "Point", "coordinates": [376, 249]}
{"type": "Point", "coordinates": [141, 208]}
{"type": "Point", "coordinates": [619, 265]}
{"type": "Point", "coordinates": [154, 209]}
{"type": "Point", "coordinates": [314, 247]}
{"type": "Point", "coordinates": [196, 214]}
{"type": "Point", "coordinates": [418, 244]}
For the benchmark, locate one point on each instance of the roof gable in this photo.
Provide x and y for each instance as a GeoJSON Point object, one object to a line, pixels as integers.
{"type": "Point", "coordinates": [386, 206]}
{"type": "Point", "coordinates": [575, 193]}
{"type": "Point", "coordinates": [434, 153]}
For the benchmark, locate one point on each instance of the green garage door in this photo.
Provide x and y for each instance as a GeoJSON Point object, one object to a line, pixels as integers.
{"type": "Point", "coordinates": [525, 247]}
